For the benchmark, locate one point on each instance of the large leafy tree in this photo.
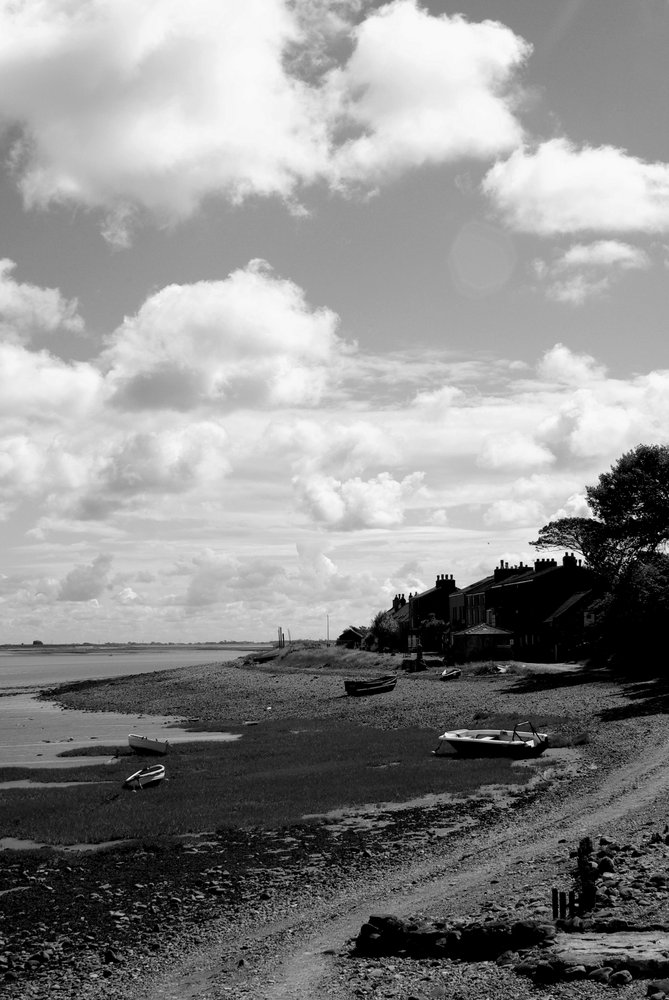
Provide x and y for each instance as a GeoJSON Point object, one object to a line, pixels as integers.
{"type": "Point", "coordinates": [632, 500]}
{"type": "Point", "coordinates": [631, 515]}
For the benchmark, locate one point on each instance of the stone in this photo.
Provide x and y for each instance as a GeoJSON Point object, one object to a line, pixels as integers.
{"type": "Point", "coordinates": [644, 953]}
{"type": "Point", "coordinates": [620, 978]}
{"type": "Point", "coordinates": [601, 975]}
{"type": "Point", "coordinates": [658, 986]}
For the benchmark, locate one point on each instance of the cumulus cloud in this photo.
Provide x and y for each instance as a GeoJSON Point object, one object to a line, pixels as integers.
{"type": "Point", "coordinates": [588, 269]}
{"type": "Point", "coordinates": [513, 513]}
{"type": "Point", "coordinates": [513, 451]}
{"type": "Point", "coordinates": [356, 503]}
{"type": "Point", "coordinates": [155, 105]}
{"type": "Point", "coordinates": [27, 309]}
{"type": "Point", "coordinates": [419, 89]}
{"type": "Point", "coordinates": [88, 582]}
{"type": "Point", "coordinates": [562, 365]}
{"type": "Point", "coordinates": [35, 383]}
{"type": "Point", "coordinates": [559, 188]}
{"type": "Point", "coordinates": [142, 464]}
{"type": "Point", "coordinates": [147, 109]}
{"type": "Point", "coordinates": [250, 340]}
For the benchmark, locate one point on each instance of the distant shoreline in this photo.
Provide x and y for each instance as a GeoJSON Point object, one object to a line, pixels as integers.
{"type": "Point", "coordinates": [132, 647]}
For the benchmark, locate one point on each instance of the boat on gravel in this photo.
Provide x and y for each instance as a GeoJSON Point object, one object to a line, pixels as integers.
{"type": "Point", "coordinates": [146, 777]}
{"type": "Point", "coordinates": [515, 743]}
{"type": "Point", "coordinates": [147, 744]}
{"type": "Point", "coordinates": [373, 685]}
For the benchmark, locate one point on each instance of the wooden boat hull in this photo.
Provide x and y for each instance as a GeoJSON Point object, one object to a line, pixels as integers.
{"type": "Point", "coordinates": [493, 743]}
{"type": "Point", "coordinates": [376, 685]}
{"type": "Point", "coordinates": [147, 744]}
{"type": "Point", "coordinates": [146, 777]}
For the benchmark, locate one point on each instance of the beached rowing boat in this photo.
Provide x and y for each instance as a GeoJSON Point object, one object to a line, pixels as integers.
{"type": "Point", "coordinates": [450, 674]}
{"type": "Point", "coordinates": [494, 742]}
{"type": "Point", "coordinates": [147, 744]}
{"type": "Point", "coordinates": [147, 777]}
{"type": "Point", "coordinates": [375, 685]}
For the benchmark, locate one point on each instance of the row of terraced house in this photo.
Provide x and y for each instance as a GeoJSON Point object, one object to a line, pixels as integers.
{"type": "Point", "coordinates": [537, 613]}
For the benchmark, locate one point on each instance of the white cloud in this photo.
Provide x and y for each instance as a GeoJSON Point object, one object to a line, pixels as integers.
{"type": "Point", "coordinates": [357, 503]}
{"type": "Point", "coordinates": [589, 269]}
{"type": "Point", "coordinates": [419, 89]}
{"type": "Point", "coordinates": [35, 383]}
{"type": "Point", "coordinates": [136, 467]}
{"type": "Point", "coordinates": [250, 340]}
{"type": "Point", "coordinates": [158, 104]}
{"type": "Point", "coordinates": [513, 450]}
{"type": "Point", "coordinates": [27, 309]}
{"type": "Point", "coordinates": [558, 188]}
{"type": "Point", "coordinates": [561, 365]}
{"type": "Point", "coordinates": [513, 513]}
{"type": "Point", "coordinates": [137, 109]}
{"type": "Point", "coordinates": [86, 583]}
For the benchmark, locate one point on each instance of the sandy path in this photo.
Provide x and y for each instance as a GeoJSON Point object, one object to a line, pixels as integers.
{"type": "Point", "coordinates": [292, 960]}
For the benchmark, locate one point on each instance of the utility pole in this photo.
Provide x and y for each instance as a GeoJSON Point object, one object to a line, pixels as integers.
{"type": "Point", "coordinates": [327, 628]}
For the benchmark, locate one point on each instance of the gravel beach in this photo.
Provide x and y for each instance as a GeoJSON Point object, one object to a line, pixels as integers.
{"type": "Point", "coordinates": [273, 912]}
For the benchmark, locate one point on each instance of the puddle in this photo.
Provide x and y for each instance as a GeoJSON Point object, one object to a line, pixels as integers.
{"type": "Point", "coordinates": [14, 844]}
{"type": "Point", "coordinates": [26, 783]}
{"type": "Point", "coordinates": [33, 733]}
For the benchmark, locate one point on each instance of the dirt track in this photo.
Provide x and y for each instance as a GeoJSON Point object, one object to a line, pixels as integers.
{"type": "Point", "coordinates": [297, 959]}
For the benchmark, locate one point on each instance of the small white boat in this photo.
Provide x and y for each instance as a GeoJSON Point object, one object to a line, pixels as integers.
{"type": "Point", "coordinates": [450, 674]}
{"type": "Point", "coordinates": [147, 777]}
{"type": "Point", "coordinates": [494, 742]}
{"type": "Point", "coordinates": [147, 744]}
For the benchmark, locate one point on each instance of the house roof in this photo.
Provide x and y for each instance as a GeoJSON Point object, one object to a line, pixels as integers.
{"type": "Point", "coordinates": [482, 629]}
{"type": "Point", "coordinates": [483, 584]}
{"type": "Point", "coordinates": [567, 605]}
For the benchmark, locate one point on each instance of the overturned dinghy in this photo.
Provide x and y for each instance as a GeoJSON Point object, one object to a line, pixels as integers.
{"type": "Point", "coordinates": [147, 777]}
{"type": "Point", "coordinates": [375, 685]}
{"type": "Point", "coordinates": [512, 743]}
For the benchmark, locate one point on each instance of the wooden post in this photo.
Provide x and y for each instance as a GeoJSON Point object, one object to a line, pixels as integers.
{"type": "Point", "coordinates": [555, 903]}
{"type": "Point", "coordinates": [572, 903]}
{"type": "Point", "coordinates": [563, 905]}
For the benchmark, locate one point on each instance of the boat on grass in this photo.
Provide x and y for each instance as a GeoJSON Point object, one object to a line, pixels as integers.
{"type": "Point", "coordinates": [515, 743]}
{"type": "Point", "coordinates": [147, 744]}
{"type": "Point", "coordinates": [450, 674]}
{"type": "Point", "coordinates": [373, 685]}
{"type": "Point", "coordinates": [146, 777]}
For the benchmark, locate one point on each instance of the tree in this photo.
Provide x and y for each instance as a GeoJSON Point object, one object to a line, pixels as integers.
{"type": "Point", "coordinates": [624, 543]}
{"type": "Point", "coordinates": [631, 514]}
{"type": "Point", "coordinates": [385, 630]}
{"type": "Point", "coordinates": [632, 500]}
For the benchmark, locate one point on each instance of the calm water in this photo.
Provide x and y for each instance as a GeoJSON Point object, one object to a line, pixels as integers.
{"type": "Point", "coordinates": [33, 733]}
{"type": "Point", "coordinates": [29, 670]}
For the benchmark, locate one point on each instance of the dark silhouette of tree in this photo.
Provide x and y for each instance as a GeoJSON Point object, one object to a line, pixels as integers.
{"type": "Point", "coordinates": [384, 630]}
{"type": "Point", "coordinates": [630, 505]}
{"type": "Point", "coordinates": [623, 542]}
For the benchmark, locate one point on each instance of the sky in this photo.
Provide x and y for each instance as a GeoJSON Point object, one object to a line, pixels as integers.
{"type": "Point", "coordinates": [303, 304]}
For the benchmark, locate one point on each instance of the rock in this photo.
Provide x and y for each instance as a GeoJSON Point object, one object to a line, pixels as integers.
{"type": "Point", "coordinates": [544, 972]}
{"type": "Point", "coordinates": [658, 986]}
{"type": "Point", "coordinates": [643, 953]}
{"type": "Point", "coordinates": [601, 975]}
{"type": "Point", "coordinates": [620, 978]}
